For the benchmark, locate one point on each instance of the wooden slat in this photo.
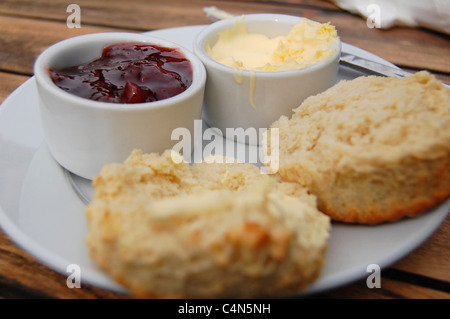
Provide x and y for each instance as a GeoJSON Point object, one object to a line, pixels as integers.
{"type": "Point", "coordinates": [410, 291]}
{"type": "Point", "coordinates": [22, 40]}
{"type": "Point", "coordinates": [138, 15]}
{"type": "Point", "coordinates": [21, 276]}
{"type": "Point", "coordinates": [415, 48]}
{"type": "Point", "coordinates": [432, 258]}
{"type": "Point", "coordinates": [314, 4]}
{"type": "Point", "coordinates": [390, 289]}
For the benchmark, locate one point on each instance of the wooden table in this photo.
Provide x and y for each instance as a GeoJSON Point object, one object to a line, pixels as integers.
{"type": "Point", "coordinates": [27, 27]}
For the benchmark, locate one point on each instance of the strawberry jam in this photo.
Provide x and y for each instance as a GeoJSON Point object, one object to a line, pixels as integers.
{"type": "Point", "coordinates": [128, 73]}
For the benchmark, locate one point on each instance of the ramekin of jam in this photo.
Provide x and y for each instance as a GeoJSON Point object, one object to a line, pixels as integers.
{"type": "Point", "coordinates": [102, 95]}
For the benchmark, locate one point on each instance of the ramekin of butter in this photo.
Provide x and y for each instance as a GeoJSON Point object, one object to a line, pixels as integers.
{"type": "Point", "coordinates": [102, 95]}
{"type": "Point", "coordinates": [261, 66]}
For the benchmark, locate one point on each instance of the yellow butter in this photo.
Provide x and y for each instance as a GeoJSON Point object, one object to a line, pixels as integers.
{"type": "Point", "coordinates": [307, 43]}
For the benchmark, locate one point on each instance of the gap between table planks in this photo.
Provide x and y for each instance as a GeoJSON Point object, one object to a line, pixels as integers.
{"type": "Point", "coordinates": [406, 47]}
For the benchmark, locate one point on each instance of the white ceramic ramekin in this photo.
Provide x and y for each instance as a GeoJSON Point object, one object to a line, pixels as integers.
{"type": "Point", "coordinates": [83, 135]}
{"type": "Point", "coordinates": [228, 103]}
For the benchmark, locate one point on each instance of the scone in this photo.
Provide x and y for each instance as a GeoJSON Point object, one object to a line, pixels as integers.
{"type": "Point", "coordinates": [166, 175]}
{"type": "Point", "coordinates": [373, 149]}
{"type": "Point", "coordinates": [167, 230]}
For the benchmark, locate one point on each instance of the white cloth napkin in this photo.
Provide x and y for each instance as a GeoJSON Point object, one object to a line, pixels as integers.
{"type": "Point", "coordinates": [431, 14]}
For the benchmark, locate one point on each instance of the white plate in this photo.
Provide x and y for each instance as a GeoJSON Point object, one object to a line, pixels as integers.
{"type": "Point", "coordinates": [42, 213]}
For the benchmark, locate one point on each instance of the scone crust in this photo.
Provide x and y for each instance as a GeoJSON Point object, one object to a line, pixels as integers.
{"type": "Point", "coordinates": [372, 149]}
{"type": "Point", "coordinates": [167, 230]}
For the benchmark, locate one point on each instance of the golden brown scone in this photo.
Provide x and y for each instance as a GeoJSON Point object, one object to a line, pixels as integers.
{"type": "Point", "coordinates": [159, 176]}
{"type": "Point", "coordinates": [168, 230]}
{"type": "Point", "coordinates": [373, 149]}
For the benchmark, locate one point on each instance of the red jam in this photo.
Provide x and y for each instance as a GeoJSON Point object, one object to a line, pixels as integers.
{"type": "Point", "coordinates": [128, 73]}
